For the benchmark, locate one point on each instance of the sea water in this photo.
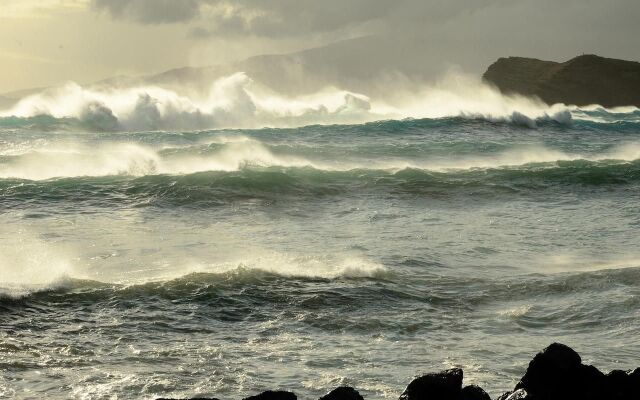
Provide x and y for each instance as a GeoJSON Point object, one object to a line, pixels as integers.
{"type": "Point", "coordinates": [139, 264]}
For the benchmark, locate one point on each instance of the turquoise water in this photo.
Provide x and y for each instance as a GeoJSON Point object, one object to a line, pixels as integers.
{"type": "Point", "coordinates": [227, 262]}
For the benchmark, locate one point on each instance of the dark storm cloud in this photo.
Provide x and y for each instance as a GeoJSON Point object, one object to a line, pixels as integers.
{"type": "Point", "coordinates": [464, 32]}
{"type": "Point", "coordinates": [276, 18]}
{"type": "Point", "coordinates": [279, 18]}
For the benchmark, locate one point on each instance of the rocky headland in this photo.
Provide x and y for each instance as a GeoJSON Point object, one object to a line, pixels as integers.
{"type": "Point", "coordinates": [584, 80]}
{"type": "Point", "coordinates": [556, 373]}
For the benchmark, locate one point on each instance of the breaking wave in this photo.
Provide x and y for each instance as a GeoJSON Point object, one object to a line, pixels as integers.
{"type": "Point", "coordinates": [233, 101]}
{"type": "Point", "coordinates": [61, 160]}
{"type": "Point", "coordinates": [237, 101]}
{"type": "Point", "coordinates": [31, 265]}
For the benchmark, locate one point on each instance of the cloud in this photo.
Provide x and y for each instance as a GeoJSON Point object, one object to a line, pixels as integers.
{"type": "Point", "coordinates": [419, 34]}
{"type": "Point", "coordinates": [284, 18]}
{"type": "Point", "coordinates": [281, 18]}
{"type": "Point", "coordinates": [301, 19]}
{"type": "Point", "coordinates": [273, 18]}
{"type": "Point", "coordinates": [150, 11]}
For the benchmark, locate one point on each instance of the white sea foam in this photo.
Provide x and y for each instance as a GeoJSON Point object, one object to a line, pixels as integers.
{"type": "Point", "coordinates": [238, 101]}
{"type": "Point", "coordinates": [510, 158]}
{"type": "Point", "coordinates": [625, 152]}
{"type": "Point", "coordinates": [136, 160]}
{"type": "Point", "coordinates": [233, 101]}
{"type": "Point", "coordinates": [287, 265]}
{"type": "Point", "coordinates": [516, 312]}
{"type": "Point", "coordinates": [580, 262]}
{"type": "Point", "coordinates": [234, 154]}
{"type": "Point", "coordinates": [28, 264]}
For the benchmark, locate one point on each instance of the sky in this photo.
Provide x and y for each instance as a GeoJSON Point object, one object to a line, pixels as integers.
{"type": "Point", "coordinates": [48, 42]}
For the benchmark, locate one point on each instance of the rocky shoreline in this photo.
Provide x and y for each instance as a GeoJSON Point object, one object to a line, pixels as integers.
{"type": "Point", "coordinates": [556, 373]}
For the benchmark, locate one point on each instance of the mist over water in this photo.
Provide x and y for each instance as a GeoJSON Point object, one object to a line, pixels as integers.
{"type": "Point", "coordinates": [237, 101]}
{"type": "Point", "coordinates": [156, 243]}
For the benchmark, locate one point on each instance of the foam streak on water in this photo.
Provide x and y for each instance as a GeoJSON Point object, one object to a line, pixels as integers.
{"type": "Point", "coordinates": [140, 264]}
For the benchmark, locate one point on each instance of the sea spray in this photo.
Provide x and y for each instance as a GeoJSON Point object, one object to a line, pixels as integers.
{"type": "Point", "coordinates": [237, 101]}
{"type": "Point", "coordinates": [122, 158]}
{"type": "Point", "coordinates": [28, 263]}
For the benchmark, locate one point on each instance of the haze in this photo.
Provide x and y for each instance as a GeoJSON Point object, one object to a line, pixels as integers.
{"type": "Point", "coordinates": [49, 42]}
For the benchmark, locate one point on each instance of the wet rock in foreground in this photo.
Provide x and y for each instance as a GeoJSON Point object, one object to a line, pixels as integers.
{"type": "Point", "coordinates": [557, 373]}
{"type": "Point", "coordinates": [474, 392]}
{"type": "Point", "coordinates": [442, 385]}
{"type": "Point", "coordinates": [343, 393]}
{"type": "Point", "coordinates": [519, 394]}
{"type": "Point", "coordinates": [271, 395]}
{"type": "Point", "coordinates": [192, 398]}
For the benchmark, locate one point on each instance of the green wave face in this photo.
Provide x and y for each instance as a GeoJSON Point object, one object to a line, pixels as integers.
{"type": "Point", "coordinates": [441, 157]}
{"type": "Point", "coordinates": [215, 188]}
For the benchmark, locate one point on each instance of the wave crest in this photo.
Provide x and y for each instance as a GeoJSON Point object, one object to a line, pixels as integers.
{"type": "Point", "coordinates": [28, 264]}
{"type": "Point", "coordinates": [233, 101]}
{"type": "Point", "coordinates": [35, 266]}
{"type": "Point", "coordinates": [236, 153]}
{"type": "Point", "coordinates": [237, 101]}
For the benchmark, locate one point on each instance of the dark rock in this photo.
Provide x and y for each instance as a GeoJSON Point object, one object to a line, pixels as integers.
{"type": "Point", "coordinates": [474, 392]}
{"type": "Point", "coordinates": [584, 80]}
{"type": "Point", "coordinates": [343, 393]}
{"type": "Point", "coordinates": [591, 382]}
{"type": "Point", "coordinates": [519, 394]}
{"type": "Point", "coordinates": [635, 379]}
{"type": "Point", "coordinates": [619, 385]}
{"type": "Point", "coordinates": [446, 385]}
{"type": "Point", "coordinates": [557, 373]}
{"type": "Point", "coordinates": [193, 398]}
{"type": "Point", "coordinates": [271, 395]}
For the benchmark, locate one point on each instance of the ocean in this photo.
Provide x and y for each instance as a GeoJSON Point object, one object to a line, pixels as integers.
{"type": "Point", "coordinates": [224, 262]}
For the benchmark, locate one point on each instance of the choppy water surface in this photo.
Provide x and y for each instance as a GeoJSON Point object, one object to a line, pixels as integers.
{"type": "Point", "coordinates": [223, 263]}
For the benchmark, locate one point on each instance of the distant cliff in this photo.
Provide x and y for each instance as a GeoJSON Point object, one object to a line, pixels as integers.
{"type": "Point", "coordinates": [584, 80]}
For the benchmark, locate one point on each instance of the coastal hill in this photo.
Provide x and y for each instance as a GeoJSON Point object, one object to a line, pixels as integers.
{"type": "Point", "coordinates": [356, 64]}
{"type": "Point", "coordinates": [583, 80]}
{"type": "Point", "coordinates": [379, 66]}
